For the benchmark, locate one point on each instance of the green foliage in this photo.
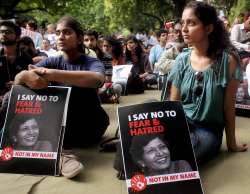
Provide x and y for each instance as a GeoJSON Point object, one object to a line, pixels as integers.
{"type": "Point", "coordinates": [106, 16]}
{"type": "Point", "coordinates": [239, 7]}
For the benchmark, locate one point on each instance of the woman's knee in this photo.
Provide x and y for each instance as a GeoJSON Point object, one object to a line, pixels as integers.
{"type": "Point", "coordinates": [206, 145]}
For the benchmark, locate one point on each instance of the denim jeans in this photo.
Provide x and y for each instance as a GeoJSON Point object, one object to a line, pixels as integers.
{"type": "Point", "coordinates": [206, 143]}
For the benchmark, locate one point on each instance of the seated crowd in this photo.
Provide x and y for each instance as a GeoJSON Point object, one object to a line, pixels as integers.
{"type": "Point", "coordinates": [66, 55]}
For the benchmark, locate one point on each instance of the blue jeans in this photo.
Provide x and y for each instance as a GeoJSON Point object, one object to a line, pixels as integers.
{"type": "Point", "coordinates": [206, 143]}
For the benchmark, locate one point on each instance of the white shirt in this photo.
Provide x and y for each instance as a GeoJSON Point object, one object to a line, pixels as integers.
{"type": "Point", "coordinates": [238, 34]}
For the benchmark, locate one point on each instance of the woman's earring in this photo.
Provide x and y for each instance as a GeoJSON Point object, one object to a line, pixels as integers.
{"type": "Point", "coordinates": [14, 139]}
{"type": "Point", "coordinates": [142, 164]}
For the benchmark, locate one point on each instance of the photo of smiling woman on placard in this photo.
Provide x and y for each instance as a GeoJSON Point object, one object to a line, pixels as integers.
{"type": "Point", "coordinates": [24, 133]}
{"type": "Point", "coordinates": [151, 153]}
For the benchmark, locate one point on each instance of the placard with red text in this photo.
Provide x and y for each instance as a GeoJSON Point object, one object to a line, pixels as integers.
{"type": "Point", "coordinates": [157, 151]}
{"type": "Point", "coordinates": [33, 131]}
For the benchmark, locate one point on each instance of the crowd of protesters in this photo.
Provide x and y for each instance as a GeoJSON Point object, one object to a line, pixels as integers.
{"type": "Point", "coordinates": [151, 55]}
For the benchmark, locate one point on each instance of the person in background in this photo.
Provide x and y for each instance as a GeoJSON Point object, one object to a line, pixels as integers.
{"type": "Point", "coordinates": [12, 60]}
{"type": "Point", "coordinates": [238, 19]}
{"type": "Point", "coordinates": [225, 21]}
{"type": "Point", "coordinates": [205, 78]}
{"type": "Point", "coordinates": [141, 73]}
{"type": "Point", "coordinates": [85, 75]}
{"type": "Point", "coordinates": [27, 45]}
{"type": "Point", "coordinates": [46, 48]}
{"type": "Point", "coordinates": [240, 34]}
{"type": "Point", "coordinates": [36, 36]}
{"type": "Point", "coordinates": [51, 35]}
{"type": "Point", "coordinates": [90, 39]}
{"type": "Point", "coordinates": [157, 50]}
{"type": "Point", "coordinates": [110, 92]}
{"type": "Point", "coordinates": [152, 39]}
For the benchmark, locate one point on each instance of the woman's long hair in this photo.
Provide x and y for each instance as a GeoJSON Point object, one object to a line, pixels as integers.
{"type": "Point", "coordinates": [138, 49]}
{"type": "Point", "coordinates": [219, 37]}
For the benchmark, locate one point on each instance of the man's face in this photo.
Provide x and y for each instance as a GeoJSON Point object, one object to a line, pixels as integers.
{"type": "Point", "coordinates": [90, 41]}
{"type": "Point", "coordinates": [163, 37]}
{"type": "Point", "coordinates": [247, 24]}
{"type": "Point", "coordinates": [7, 36]}
{"type": "Point", "coordinates": [29, 49]}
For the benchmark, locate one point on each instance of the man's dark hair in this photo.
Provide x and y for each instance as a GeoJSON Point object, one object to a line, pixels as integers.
{"type": "Point", "coordinates": [246, 15]}
{"type": "Point", "coordinates": [91, 33]}
{"type": "Point", "coordinates": [26, 41]}
{"type": "Point", "coordinates": [161, 31]}
{"type": "Point", "coordinates": [32, 24]}
{"type": "Point", "coordinates": [12, 25]}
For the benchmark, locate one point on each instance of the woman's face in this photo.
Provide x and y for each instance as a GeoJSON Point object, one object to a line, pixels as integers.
{"type": "Point", "coordinates": [45, 45]}
{"type": "Point", "coordinates": [193, 31]}
{"type": "Point", "coordinates": [28, 133]}
{"type": "Point", "coordinates": [156, 155]}
{"type": "Point", "coordinates": [66, 37]}
{"type": "Point", "coordinates": [131, 45]}
{"type": "Point", "coordinates": [106, 47]}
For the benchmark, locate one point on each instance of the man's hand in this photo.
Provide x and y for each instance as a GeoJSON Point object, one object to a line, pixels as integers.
{"type": "Point", "coordinates": [42, 71]}
{"type": "Point", "coordinates": [31, 79]}
{"type": "Point", "coordinates": [38, 59]}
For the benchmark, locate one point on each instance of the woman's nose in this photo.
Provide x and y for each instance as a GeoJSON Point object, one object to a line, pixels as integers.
{"type": "Point", "coordinates": [30, 130]}
{"type": "Point", "coordinates": [184, 28]}
{"type": "Point", "coordinates": [60, 35]}
{"type": "Point", "coordinates": [159, 152]}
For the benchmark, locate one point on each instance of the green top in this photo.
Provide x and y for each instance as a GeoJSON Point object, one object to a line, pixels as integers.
{"type": "Point", "coordinates": [209, 106]}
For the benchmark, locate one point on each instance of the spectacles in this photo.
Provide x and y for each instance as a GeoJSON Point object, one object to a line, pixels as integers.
{"type": "Point", "coordinates": [199, 87]}
{"type": "Point", "coordinates": [65, 32]}
{"type": "Point", "coordinates": [7, 32]}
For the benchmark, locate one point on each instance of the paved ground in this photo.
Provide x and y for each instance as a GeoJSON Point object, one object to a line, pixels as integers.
{"type": "Point", "coordinates": [227, 174]}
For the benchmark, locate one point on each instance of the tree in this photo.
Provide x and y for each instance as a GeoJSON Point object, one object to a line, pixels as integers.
{"type": "Point", "coordinates": [106, 16]}
{"type": "Point", "coordinates": [238, 7]}
{"type": "Point", "coordinates": [139, 14]}
{"type": "Point", "coordinates": [12, 8]}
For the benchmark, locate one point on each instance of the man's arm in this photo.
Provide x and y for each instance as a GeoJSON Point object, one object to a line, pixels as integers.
{"type": "Point", "coordinates": [88, 79]}
{"type": "Point", "coordinates": [31, 79]}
